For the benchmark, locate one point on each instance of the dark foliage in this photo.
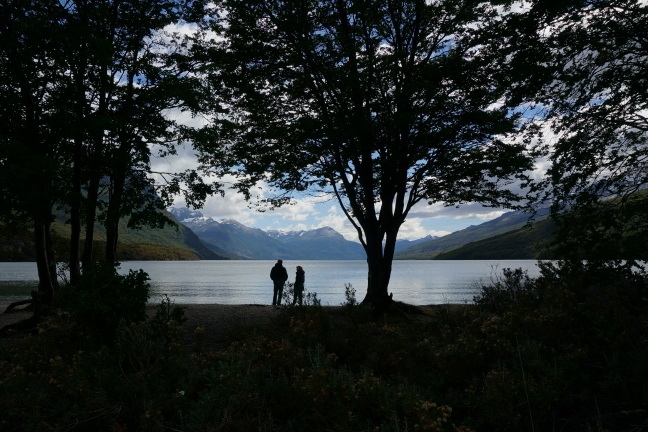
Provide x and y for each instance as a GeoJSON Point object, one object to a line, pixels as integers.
{"type": "Point", "coordinates": [565, 351]}
{"type": "Point", "coordinates": [103, 299]}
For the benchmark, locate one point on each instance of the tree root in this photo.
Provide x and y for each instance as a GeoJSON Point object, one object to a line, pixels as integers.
{"type": "Point", "coordinates": [26, 324]}
{"type": "Point", "coordinates": [14, 305]}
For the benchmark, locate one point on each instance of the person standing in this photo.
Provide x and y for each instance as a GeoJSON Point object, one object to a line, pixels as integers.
{"type": "Point", "coordinates": [299, 285]}
{"type": "Point", "coordinates": [279, 275]}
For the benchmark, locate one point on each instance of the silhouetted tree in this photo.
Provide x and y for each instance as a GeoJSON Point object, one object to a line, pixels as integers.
{"type": "Point", "coordinates": [32, 155]}
{"type": "Point", "coordinates": [381, 103]}
{"type": "Point", "coordinates": [87, 87]}
{"type": "Point", "coordinates": [125, 83]}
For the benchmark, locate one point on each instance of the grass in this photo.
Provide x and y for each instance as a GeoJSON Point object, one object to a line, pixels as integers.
{"type": "Point", "coordinates": [564, 352]}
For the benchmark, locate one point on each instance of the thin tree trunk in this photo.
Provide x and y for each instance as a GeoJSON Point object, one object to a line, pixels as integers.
{"type": "Point", "coordinates": [90, 214]}
{"type": "Point", "coordinates": [51, 258]}
{"type": "Point", "coordinates": [75, 216]}
{"type": "Point", "coordinates": [46, 267]}
{"type": "Point", "coordinates": [112, 219]}
{"type": "Point", "coordinates": [77, 193]}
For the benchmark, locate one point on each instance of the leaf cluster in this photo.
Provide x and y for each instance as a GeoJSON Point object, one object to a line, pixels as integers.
{"type": "Point", "coordinates": [587, 85]}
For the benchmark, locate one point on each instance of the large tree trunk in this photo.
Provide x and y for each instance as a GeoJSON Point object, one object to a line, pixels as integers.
{"type": "Point", "coordinates": [379, 262]}
{"type": "Point", "coordinates": [377, 282]}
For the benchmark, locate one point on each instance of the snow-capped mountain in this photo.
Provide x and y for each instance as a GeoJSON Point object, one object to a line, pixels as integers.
{"type": "Point", "coordinates": [252, 243]}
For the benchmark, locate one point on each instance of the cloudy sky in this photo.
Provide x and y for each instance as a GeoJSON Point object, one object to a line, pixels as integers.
{"type": "Point", "coordinates": [310, 212]}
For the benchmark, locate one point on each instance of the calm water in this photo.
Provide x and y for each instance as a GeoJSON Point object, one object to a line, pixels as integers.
{"type": "Point", "coordinates": [243, 282]}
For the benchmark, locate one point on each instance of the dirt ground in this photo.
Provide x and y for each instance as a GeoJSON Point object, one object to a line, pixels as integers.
{"type": "Point", "coordinates": [217, 320]}
{"type": "Point", "coordinates": [214, 318]}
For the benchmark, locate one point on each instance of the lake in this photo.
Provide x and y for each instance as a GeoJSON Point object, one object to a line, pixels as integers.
{"type": "Point", "coordinates": [248, 282]}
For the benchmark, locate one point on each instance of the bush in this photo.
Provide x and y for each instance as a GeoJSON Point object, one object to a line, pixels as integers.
{"type": "Point", "coordinates": [309, 298]}
{"type": "Point", "coordinates": [574, 336]}
{"type": "Point", "coordinates": [103, 298]}
{"type": "Point", "coordinates": [64, 376]}
{"type": "Point", "coordinates": [515, 287]}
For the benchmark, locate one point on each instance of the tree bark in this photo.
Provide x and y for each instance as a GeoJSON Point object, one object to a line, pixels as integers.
{"type": "Point", "coordinates": [112, 218]}
{"type": "Point", "coordinates": [90, 214]}
{"type": "Point", "coordinates": [46, 267]}
{"type": "Point", "coordinates": [75, 216]}
{"type": "Point", "coordinates": [379, 262]}
{"type": "Point", "coordinates": [377, 282]}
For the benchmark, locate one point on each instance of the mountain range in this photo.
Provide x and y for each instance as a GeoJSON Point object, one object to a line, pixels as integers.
{"type": "Point", "coordinates": [238, 241]}
{"type": "Point", "coordinates": [524, 240]}
{"type": "Point", "coordinates": [200, 237]}
{"type": "Point", "coordinates": [506, 237]}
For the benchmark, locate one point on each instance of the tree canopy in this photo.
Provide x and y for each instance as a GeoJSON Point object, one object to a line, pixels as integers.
{"type": "Point", "coordinates": [86, 87]}
{"type": "Point", "coordinates": [383, 104]}
{"type": "Point", "coordinates": [587, 63]}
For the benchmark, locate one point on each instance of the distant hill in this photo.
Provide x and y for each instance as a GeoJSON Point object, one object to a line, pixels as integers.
{"type": "Point", "coordinates": [523, 243]}
{"type": "Point", "coordinates": [235, 238]}
{"type": "Point", "coordinates": [244, 242]}
{"type": "Point", "coordinates": [169, 243]}
{"type": "Point", "coordinates": [404, 244]}
{"type": "Point", "coordinates": [508, 222]}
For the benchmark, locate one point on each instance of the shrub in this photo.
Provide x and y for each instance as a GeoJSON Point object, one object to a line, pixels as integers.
{"type": "Point", "coordinates": [103, 298]}
{"type": "Point", "coordinates": [514, 287]}
{"type": "Point", "coordinates": [572, 333]}
{"type": "Point", "coordinates": [350, 296]}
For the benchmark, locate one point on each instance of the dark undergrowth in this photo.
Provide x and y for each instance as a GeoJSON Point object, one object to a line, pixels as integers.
{"type": "Point", "coordinates": [567, 351]}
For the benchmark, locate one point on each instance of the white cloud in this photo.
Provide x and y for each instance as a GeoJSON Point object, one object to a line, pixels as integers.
{"type": "Point", "coordinates": [464, 211]}
{"type": "Point", "coordinates": [184, 159]}
{"type": "Point", "coordinates": [185, 29]}
{"type": "Point", "coordinates": [413, 229]}
{"type": "Point", "coordinates": [297, 211]}
{"type": "Point", "coordinates": [230, 206]}
{"type": "Point", "coordinates": [311, 212]}
{"type": "Point", "coordinates": [186, 118]}
{"type": "Point", "coordinates": [337, 220]}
